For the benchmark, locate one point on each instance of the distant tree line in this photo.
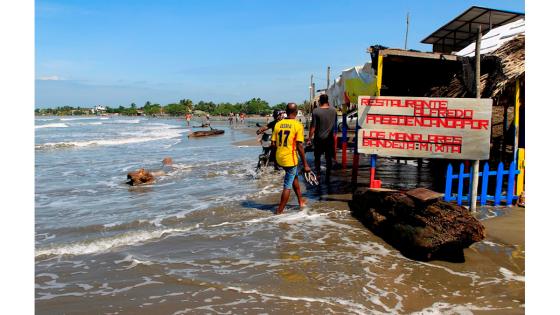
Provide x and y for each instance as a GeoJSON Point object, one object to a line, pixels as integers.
{"type": "Point", "coordinates": [254, 106]}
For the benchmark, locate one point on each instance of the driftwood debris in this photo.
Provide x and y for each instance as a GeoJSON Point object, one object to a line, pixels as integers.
{"type": "Point", "coordinates": [139, 177]}
{"type": "Point", "coordinates": [422, 227]}
{"type": "Point", "coordinates": [204, 133]}
{"type": "Point", "coordinates": [143, 176]}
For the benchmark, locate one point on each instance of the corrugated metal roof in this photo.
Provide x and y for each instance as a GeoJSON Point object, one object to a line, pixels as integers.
{"type": "Point", "coordinates": [462, 30]}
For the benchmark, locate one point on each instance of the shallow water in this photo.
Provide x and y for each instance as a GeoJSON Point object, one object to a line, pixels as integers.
{"type": "Point", "coordinates": [203, 238]}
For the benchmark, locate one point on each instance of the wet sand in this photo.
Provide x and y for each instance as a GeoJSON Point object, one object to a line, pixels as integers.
{"type": "Point", "coordinates": [232, 255]}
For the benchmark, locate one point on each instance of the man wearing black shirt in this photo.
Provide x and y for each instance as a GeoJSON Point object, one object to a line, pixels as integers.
{"type": "Point", "coordinates": [277, 115]}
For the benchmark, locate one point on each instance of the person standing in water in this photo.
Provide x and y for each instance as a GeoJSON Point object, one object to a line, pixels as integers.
{"type": "Point", "coordinates": [321, 132]}
{"type": "Point", "coordinates": [287, 137]}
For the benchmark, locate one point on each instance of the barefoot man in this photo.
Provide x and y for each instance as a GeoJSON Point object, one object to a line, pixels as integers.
{"type": "Point", "coordinates": [288, 137]}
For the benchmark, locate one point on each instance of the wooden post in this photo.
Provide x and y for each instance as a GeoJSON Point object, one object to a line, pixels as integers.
{"type": "Point", "coordinates": [406, 35]}
{"type": "Point", "coordinates": [311, 94]}
{"type": "Point", "coordinates": [516, 119]}
{"type": "Point", "coordinates": [510, 185]}
{"type": "Point", "coordinates": [356, 157]}
{"type": "Point", "coordinates": [344, 136]}
{"type": "Point", "coordinates": [373, 161]}
{"type": "Point", "coordinates": [448, 183]}
{"type": "Point", "coordinates": [474, 171]}
{"type": "Point", "coordinates": [374, 156]}
{"type": "Point", "coordinates": [521, 168]}
{"type": "Point", "coordinates": [460, 187]}
{"type": "Point", "coordinates": [328, 77]}
{"type": "Point", "coordinates": [499, 179]}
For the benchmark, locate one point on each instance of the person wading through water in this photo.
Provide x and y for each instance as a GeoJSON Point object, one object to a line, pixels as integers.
{"type": "Point", "coordinates": [321, 132]}
{"type": "Point", "coordinates": [287, 137]}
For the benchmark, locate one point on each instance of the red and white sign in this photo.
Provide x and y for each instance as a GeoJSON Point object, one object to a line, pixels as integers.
{"type": "Point", "coordinates": [427, 127]}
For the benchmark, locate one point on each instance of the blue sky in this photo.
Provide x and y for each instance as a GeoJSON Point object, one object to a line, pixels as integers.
{"type": "Point", "coordinates": [119, 52]}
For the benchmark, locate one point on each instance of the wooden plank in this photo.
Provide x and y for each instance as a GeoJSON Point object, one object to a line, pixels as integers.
{"type": "Point", "coordinates": [407, 53]}
{"type": "Point", "coordinates": [382, 189]}
{"type": "Point", "coordinates": [424, 194]}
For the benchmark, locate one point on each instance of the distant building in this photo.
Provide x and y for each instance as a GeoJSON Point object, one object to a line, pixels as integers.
{"type": "Point", "coordinates": [99, 109]}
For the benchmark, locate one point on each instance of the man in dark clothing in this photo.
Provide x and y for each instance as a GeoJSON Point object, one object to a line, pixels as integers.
{"type": "Point", "coordinates": [277, 115]}
{"type": "Point", "coordinates": [321, 133]}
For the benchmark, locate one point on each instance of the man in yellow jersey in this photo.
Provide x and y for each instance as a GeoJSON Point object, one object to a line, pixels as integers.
{"type": "Point", "coordinates": [288, 138]}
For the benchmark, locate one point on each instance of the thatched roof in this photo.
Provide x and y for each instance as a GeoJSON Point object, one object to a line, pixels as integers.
{"type": "Point", "coordinates": [504, 66]}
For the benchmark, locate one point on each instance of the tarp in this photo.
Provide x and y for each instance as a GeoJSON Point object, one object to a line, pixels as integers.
{"type": "Point", "coordinates": [495, 38]}
{"type": "Point", "coordinates": [352, 83]}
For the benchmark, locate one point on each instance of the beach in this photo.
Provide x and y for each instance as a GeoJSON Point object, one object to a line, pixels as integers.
{"type": "Point", "coordinates": [203, 238]}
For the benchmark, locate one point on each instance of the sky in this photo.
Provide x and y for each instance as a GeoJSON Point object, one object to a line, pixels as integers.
{"type": "Point", "coordinates": [118, 52]}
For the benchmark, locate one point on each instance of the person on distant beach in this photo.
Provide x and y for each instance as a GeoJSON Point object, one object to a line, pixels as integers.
{"type": "Point", "coordinates": [236, 118]}
{"type": "Point", "coordinates": [242, 116]}
{"type": "Point", "coordinates": [208, 119]}
{"type": "Point", "coordinates": [321, 132]}
{"type": "Point", "coordinates": [188, 117]}
{"type": "Point", "coordinates": [287, 137]}
{"type": "Point", "coordinates": [230, 118]}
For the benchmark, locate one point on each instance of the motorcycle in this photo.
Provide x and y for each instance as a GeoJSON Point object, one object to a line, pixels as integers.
{"type": "Point", "coordinates": [265, 157]}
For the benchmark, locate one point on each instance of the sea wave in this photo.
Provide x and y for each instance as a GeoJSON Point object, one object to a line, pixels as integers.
{"type": "Point", "coordinates": [108, 243]}
{"type": "Point", "coordinates": [77, 118]}
{"type": "Point", "coordinates": [55, 125]}
{"type": "Point", "coordinates": [156, 135]}
{"type": "Point", "coordinates": [124, 121]}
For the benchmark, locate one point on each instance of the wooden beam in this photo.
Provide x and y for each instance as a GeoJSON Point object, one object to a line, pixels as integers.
{"type": "Point", "coordinates": [407, 53]}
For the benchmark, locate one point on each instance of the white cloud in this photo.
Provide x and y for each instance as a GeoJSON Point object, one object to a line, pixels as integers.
{"type": "Point", "coordinates": [49, 78]}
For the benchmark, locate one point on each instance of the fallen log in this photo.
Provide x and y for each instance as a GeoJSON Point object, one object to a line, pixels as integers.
{"type": "Point", "coordinates": [418, 223]}
{"type": "Point", "coordinates": [205, 133]}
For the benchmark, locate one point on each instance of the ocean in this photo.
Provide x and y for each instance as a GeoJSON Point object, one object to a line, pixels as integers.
{"type": "Point", "coordinates": [203, 238]}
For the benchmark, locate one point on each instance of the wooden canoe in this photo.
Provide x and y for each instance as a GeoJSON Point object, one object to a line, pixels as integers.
{"type": "Point", "coordinates": [205, 133]}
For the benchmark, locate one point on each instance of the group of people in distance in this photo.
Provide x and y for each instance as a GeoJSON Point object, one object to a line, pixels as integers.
{"type": "Point", "coordinates": [287, 142]}
{"type": "Point", "coordinates": [238, 117]}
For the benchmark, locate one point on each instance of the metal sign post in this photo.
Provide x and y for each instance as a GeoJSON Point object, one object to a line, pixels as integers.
{"type": "Point", "coordinates": [475, 165]}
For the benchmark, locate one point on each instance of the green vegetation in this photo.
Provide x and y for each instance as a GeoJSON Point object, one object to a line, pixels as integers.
{"type": "Point", "coordinates": [254, 106]}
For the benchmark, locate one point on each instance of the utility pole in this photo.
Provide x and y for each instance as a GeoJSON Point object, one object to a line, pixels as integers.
{"type": "Point", "coordinates": [406, 35]}
{"type": "Point", "coordinates": [474, 170]}
{"type": "Point", "coordinates": [328, 76]}
{"type": "Point", "coordinates": [311, 88]}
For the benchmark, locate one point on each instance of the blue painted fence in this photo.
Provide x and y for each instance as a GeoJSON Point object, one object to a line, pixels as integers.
{"type": "Point", "coordinates": [496, 198]}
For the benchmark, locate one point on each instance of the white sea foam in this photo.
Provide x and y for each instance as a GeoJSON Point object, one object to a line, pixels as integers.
{"type": "Point", "coordinates": [133, 262]}
{"type": "Point", "coordinates": [77, 118]}
{"type": "Point", "coordinates": [126, 121]}
{"type": "Point", "coordinates": [510, 275]}
{"type": "Point", "coordinates": [350, 306]}
{"type": "Point", "coordinates": [447, 308]}
{"type": "Point", "coordinates": [108, 243]}
{"type": "Point", "coordinates": [154, 135]}
{"type": "Point", "coordinates": [54, 125]}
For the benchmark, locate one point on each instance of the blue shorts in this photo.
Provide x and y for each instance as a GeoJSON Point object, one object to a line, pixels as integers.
{"type": "Point", "coordinates": [291, 174]}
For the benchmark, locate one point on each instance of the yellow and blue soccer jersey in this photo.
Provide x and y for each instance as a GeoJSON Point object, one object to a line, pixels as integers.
{"type": "Point", "coordinates": [286, 133]}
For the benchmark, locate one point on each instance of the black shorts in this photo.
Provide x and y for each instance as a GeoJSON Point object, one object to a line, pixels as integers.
{"type": "Point", "coordinates": [325, 146]}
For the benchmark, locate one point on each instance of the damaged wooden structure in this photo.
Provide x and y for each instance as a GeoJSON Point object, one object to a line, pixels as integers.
{"type": "Point", "coordinates": [449, 71]}
{"type": "Point", "coordinates": [418, 223]}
